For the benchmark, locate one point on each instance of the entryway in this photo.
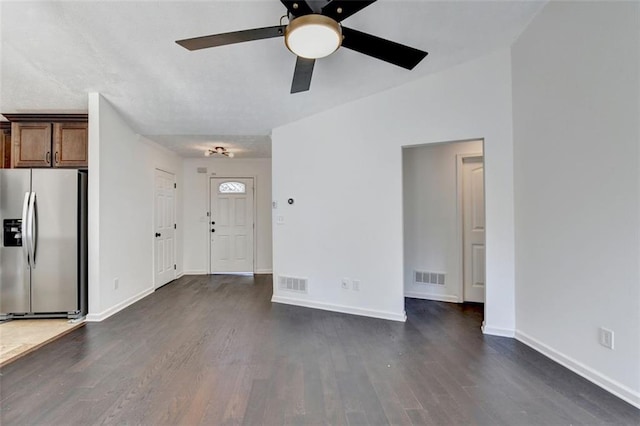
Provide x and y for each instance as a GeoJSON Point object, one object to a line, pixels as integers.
{"type": "Point", "coordinates": [231, 225]}
{"type": "Point", "coordinates": [444, 221]}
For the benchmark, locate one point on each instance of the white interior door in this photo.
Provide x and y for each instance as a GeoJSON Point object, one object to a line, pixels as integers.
{"type": "Point", "coordinates": [473, 229]}
{"type": "Point", "coordinates": [164, 228]}
{"type": "Point", "coordinates": [231, 225]}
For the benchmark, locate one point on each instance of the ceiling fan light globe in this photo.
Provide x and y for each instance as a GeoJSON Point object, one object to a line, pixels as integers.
{"type": "Point", "coordinates": [313, 36]}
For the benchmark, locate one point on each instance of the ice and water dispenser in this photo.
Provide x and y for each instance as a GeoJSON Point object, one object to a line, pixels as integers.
{"type": "Point", "coordinates": [12, 232]}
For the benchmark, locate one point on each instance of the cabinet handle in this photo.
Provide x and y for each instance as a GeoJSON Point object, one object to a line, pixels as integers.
{"type": "Point", "coordinates": [48, 157]}
{"type": "Point", "coordinates": [55, 158]}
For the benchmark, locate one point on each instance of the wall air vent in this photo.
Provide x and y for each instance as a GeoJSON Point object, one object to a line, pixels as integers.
{"type": "Point", "coordinates": [202, 170]}
{"type": "Point", "coordinates": [298, 285]}
{"type": "Point", "coordinates": [423, 277]}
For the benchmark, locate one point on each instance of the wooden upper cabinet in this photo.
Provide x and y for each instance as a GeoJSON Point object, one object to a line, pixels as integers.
{"type": "Point", "coordinates": [46, 139]}
{"type": "Point", "coordinates": [70, 148]}
{"type": "Point", "coordinates": [31, 144]}
{"type": "Point", "coordinates": [5, 147]}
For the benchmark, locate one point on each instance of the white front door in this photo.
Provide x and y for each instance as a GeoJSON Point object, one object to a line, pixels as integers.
{"type": "Point", "coordinates": [473, 229]}
{"type": "Point", "coordinates": [231, 225]}
{"type": "Point", "coordinates": [164, 228]}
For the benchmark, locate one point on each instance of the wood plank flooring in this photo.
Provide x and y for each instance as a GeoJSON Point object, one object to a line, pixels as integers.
{"type": "Point", "coordinates": [216, 351]}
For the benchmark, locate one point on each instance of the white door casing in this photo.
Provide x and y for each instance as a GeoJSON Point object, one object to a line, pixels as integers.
{"type": "Point", "coordinates": [473, 226]}
{"type": "Point", "coordinates": [231, 225]}
{"type": "Point", "coordinates": [164, 228]}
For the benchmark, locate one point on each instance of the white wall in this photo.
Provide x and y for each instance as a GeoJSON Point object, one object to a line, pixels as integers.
{"type": "Point", "coordinates": [196, 206]}
{"type": "Point", "coordinates": [432, 232]}
{"type": "Point", "coordinates": [576, 79]}
{"type": "Point", "coordinates": [121, 190]}
{"type": "Point", "coordinates": [344, 168]}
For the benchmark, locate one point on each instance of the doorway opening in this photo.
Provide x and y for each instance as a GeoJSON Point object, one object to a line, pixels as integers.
{"type": "Point", "coordinates": [232, 225]}
{"type": "Point", "coordinates": [444, 221]}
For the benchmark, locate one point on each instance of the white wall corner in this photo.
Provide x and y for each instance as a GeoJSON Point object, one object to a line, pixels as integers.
{"type": "Point", "coordinates": [618, 389]}
{"type": "Point", "coordinates": [497, 331]}
{"type": "Point", "coordinates": [93, 200]}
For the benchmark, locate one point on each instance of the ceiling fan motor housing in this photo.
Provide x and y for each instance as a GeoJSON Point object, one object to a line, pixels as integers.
{"type": "Point", "coordinates": [313, 36]}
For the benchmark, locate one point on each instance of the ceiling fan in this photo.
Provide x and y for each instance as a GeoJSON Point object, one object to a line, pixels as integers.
{"type": "Point", "coordinates": [314, 34]}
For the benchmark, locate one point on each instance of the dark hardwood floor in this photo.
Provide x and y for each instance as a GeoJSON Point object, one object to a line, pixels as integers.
{"type": "Point", "coordinates": [215, 351]}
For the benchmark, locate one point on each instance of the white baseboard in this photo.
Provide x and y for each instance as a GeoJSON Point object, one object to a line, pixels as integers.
{"type": "Point", "coordinates": [120, 306]}
{"type": "Point", "coordinates": [431, 296]}
{"type": "Point", "coordinates": [610, 385]}
{"type": "Point", "coordinates": [196, 272]}
{"type": "Point", "coordinates": [340, 308]}
{"type": "Point", "coordinates": [497, 331]}
{"type": "Point", "coordinates": [180, 275]}
{"type": "Point", "coordinates": [264, 271]}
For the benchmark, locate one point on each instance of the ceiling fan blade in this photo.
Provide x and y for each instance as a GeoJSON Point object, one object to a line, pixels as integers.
{"type": "Point", "coordinates": [297, 7]}
{"type": "Point", "coordinates": [347, 7]}
{"type": "Point", "coordinates": [232, 37]}
{"type": "Point", "coordinates": [302, 75]}
{"type": "Point", "coordinates": [385, 50]}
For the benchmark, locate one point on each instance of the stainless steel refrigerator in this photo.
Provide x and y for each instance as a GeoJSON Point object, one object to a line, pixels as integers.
{"type": "Point", "coordinates": [43, 247]}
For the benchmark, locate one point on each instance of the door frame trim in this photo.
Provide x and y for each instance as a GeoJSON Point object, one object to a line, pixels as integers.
{"type": "Point", "coordinates": [153, 227]}
{"type": "Point", "coordinates": [255, 219]}
{"type": "Point", "coordinates": [460, 218]}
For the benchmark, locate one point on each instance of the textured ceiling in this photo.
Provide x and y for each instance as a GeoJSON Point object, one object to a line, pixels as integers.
{"type": "Point", "coordinates": [54, 53]}
{"type": "Point", "coordinates": [243, 146]}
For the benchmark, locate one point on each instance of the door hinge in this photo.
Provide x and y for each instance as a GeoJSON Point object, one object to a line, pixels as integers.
{"type": "Point", "coordinates": [174, 267]}
{"type": "Point", "coordinates": [175, 185]}
{"type": "Point", "coordinates": [175, 226]}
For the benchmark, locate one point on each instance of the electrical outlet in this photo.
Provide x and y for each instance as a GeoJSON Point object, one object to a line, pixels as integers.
{"type": "Point", "coordinates": [116, 283]}
{"type": "Point", "coordinates": [356, 285]}
{"type": "Point", "coordinates": [345, 283]}
{"type": "Point", "coordinates": [606, 337]}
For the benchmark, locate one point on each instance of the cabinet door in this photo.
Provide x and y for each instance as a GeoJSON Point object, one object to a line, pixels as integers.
{"type": "Point", "coordinates": [70, 145]}
{"type": "Point", "coordinates": [5, 149]}
{"type": "Point", "coordinates": [31, 144]}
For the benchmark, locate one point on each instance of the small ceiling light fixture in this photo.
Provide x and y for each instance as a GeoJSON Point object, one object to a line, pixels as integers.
{"type": "Point", "coordinates": [313, 36]}
{"type": "Point", "coordinates": [220, 150]}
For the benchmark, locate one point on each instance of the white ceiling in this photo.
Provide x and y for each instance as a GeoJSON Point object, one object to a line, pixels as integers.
{"type": "Point", "coordinates": [243, 146]}
{"type": "Point", "coordinates": [54, 53]}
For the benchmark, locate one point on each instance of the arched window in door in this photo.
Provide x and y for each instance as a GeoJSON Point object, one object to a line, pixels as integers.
{"type": "Point", "coordinates": [232, 188]}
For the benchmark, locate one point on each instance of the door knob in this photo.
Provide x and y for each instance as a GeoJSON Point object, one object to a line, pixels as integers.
{"type": "Point", "coordinates": [213, 223]}
{"type": "Point", "coordinates": [158, 234]}
{"type": "Point", "coordinates": [213, 230]}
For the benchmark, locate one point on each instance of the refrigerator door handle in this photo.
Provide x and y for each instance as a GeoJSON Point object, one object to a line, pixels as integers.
{"type": "Point", "coordinates": [33, 226]}
{"type": "Point", "coordinates": [25, 228]}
